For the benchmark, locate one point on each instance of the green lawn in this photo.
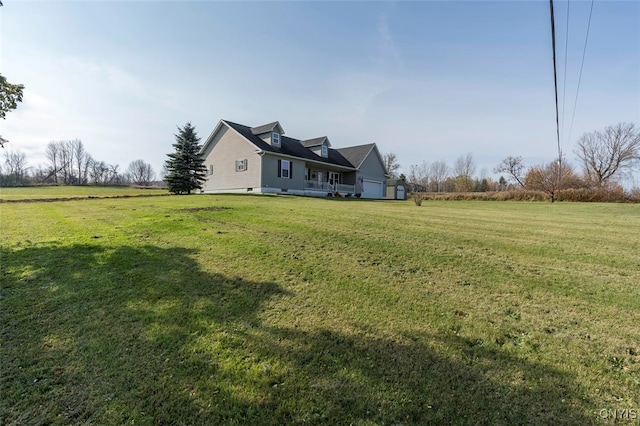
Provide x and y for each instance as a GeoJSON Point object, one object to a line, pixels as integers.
{"type": "Point", "coordinates": [287, 310]}
{"type": "Point", "coordinates": [49, 192]}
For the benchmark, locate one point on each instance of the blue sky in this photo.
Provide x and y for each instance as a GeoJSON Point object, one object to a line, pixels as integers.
{"type": "Point", "coordinates": [427, 80]}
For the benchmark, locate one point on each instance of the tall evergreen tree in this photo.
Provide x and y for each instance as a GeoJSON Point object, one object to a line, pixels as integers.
{"type": "Point", "coordinates": [185, 166]}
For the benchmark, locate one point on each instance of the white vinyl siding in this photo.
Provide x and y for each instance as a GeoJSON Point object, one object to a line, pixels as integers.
{"type": "Point", "coordinates": [221, 154]}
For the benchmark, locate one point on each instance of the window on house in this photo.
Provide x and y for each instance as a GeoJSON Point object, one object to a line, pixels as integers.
{"type": "Point", "coordinates": [241, 165]}
{"type": "Point", "coordinates": [275, 139]}
{"type": "Point", "coordinates": [325, 151]}
{"type": "Point", "coordinates": [210, 170]}
{"type": "Point", "coordinates": [285, 169]}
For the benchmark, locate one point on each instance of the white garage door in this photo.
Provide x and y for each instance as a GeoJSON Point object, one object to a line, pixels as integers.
{"type": "Point", "coordinates": [372, 189]}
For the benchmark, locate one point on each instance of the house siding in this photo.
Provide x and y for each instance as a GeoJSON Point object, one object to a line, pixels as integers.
{"type": "Point", "coordinates": [371, 168]}
{"type": "Point", "coordinates": [230, 146]}
{"type": "Point", "coordinates": [266, 137]}
{"type": "Point", "coordinates": [270, 179]}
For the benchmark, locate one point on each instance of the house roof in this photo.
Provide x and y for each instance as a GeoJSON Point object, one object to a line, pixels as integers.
{"type": "Point", "coordinates": [266, 128]}
{"type": "Point", "coordinates": [290, 146]}
{"type": "Point", "coordinates": [357, 154]}
{"type": "Point", "coordinates": [308, 143]}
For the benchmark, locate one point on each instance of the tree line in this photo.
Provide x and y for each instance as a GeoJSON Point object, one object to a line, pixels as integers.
{"type": "Point", "coordinates": [605, 156]}
{"type": "Point", "coordinates": [69, 163]}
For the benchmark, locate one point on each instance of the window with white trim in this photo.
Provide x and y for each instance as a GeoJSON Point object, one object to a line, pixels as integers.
{"type": "Point", "coordinates": [285, 169]}
{"type": "Point", "coordinates": [210, 170]}
{"type": "Point", "coordinates": [275, 139]}
{"type": "Point", "coordinates": [241, 165]}
{"type": "Point", "coordinates": [325, 151]}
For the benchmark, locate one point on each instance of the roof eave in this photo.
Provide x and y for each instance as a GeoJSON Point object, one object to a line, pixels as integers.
{"type": "Point", "coordinates": [324, 163]}
{"type": "Point", "coordinates": [210, 138]}
{"type": "Point", "coordinates": [217, 128]}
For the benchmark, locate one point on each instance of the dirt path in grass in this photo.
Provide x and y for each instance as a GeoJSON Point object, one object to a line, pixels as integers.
{"type": "Point", "coordinates": [89, 197]}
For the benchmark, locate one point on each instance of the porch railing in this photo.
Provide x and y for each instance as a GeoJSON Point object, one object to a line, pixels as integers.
{"type": "Point", "coordinates": [327, 187]}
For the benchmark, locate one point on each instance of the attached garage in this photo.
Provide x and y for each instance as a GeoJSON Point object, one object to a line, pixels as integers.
{"type": "Point", "coordinates": [372, 189]}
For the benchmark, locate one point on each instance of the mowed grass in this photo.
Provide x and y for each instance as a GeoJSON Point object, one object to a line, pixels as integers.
{"type": "Point", "coordinates": [284, 310]}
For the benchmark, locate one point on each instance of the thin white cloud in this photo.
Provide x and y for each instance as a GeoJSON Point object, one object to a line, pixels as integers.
{"type": "Point", "coordinates": [388, 54]}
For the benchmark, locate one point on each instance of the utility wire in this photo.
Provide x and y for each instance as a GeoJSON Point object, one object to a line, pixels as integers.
{"type": "Point", "coordinates": [555, 76]}
{"type": "Point", "coordinates": [564, 83]}
{"type": "Point", "coordinates": [584, 51]}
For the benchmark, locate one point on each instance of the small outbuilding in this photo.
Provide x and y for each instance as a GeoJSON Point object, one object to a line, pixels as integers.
{"type": "Point", "coordinates": [396, 189]}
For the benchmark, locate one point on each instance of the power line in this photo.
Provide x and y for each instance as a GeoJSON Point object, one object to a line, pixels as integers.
{"type": "Point", "coordinates": [584, 51]}
{"type": "Point", "coordinates": [555, 75]}
{"type": "Point", "coordinates": [564, 83]}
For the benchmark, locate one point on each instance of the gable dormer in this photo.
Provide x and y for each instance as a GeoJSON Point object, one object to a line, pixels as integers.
{"type": "Point", "coordinates": [319, 146]}
{"type": "Point", "coordinates": [270, 133]}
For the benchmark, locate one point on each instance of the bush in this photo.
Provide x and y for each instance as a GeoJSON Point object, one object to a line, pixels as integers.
{"type": "Point", "coordinates": [601, 195]}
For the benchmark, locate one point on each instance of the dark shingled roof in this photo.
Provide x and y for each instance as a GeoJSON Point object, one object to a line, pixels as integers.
{"type": "Point", "coordinates": [265, 128]}
{"type": "Point", "coordinates": [356, 154]}
{"type": "Point", "coordinates": [290, 146]}
{"type": "Point", "coordinates": [314, 142]}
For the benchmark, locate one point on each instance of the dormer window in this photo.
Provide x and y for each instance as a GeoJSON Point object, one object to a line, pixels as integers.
{"type": "Point", "coordinates": [275, 139]}
{"type": "Point", "coordinates": [325, 151]}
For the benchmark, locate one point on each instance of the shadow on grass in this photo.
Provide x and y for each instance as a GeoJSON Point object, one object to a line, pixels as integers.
{"type": "Point", "coordinates": [112, 335]}
{"type": "Point", "coordinates": [409, 381]}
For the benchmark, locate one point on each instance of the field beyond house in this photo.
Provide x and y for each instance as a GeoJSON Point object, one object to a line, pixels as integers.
{"type": "Point", "coordinates": [284, 310]}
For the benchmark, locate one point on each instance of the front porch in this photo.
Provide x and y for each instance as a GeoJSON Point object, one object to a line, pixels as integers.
{"type": "Point", "coordinates": [316, 188]}
{"type": "Point", "coordinates": [321, 183]}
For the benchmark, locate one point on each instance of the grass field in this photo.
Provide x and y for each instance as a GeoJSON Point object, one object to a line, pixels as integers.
{"type": "Point", "coordinates": [286, 310]}
{"type": "Point", "coordinates": [56, 192]}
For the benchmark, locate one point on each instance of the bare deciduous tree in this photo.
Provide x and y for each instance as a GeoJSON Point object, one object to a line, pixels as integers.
{"type": "Point", "coordinates": [419, 176]}
{"type": "Point", "coordinates": [514, 167]}
{"type": "Point", "coordinates": [551, 178]}
{"type": "Point", "coordinates": [68, 162]}
{"type": "Point", "coordinates": [438, 173]}
{"type": "Point", "coordinates": [605, 153]}
{"type": "Point", "coordinates": [115, 177]}
{"type": "Point", "coordinates": [16, 167]}
{"type": "Point", "coordinates": [53, 157]}
{"type": "Point", "coordinates": [59, 154]}
{"type": "Point", "coordinates": [66, 157]}
{"type": "Point", "coordinates": [463, 169]}
{"type": "Point", "coordinates": [391, 164]}
{"type": "Point", "coordinates": [141, 173]}
{"type": "Point", "coordinates": [82, 159]}
{"type": "Point", "coordinates": [99, 172]}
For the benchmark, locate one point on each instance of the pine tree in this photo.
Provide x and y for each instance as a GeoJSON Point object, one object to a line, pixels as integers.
{"type": "Point", "coordinates": [185, 166]}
